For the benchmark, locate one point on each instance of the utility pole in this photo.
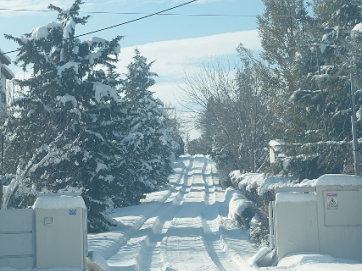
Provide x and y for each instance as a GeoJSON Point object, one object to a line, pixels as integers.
{"type": "Point", "coordinates": [354, 131]}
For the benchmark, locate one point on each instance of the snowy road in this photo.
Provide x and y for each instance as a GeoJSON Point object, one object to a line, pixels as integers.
{"type": "Point", "coordinates": [184, 227]}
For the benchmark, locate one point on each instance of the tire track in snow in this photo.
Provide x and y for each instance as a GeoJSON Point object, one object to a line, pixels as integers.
{"type": "Point", "coordinates": [197, 223]}
{"type": "Point", "coordinates": [187, 230]}
{"type": "Point", "coordinates": [120, 235]}
{"type": "Point", "coordinates": [213, 241]}
{"type": "Point", "coordinates": [151, 257]}
{"type": "Point", "coordinates": [200, 214]}
{"type": "Point", "coordinates": [209, 196]}
{"type": "Point", "coordinates": [136, 252]}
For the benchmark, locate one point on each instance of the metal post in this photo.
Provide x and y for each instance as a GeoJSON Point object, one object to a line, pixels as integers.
{"type": "Point", "coordinates": [2, 169]}
{"type": "Point", "coordinates": [2, 153]}
{"type": "Point", "coordinates": [354, 131]}
{"type": "Point", "coordinates": [271, 226]}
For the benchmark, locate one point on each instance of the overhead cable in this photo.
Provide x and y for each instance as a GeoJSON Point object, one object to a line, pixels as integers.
{"type": "Point", "coordinates": [138, 13]}
{"type": "Point", "coordinates": [137, 19]}
{"type": "Point", "coordinates": [127, 22]}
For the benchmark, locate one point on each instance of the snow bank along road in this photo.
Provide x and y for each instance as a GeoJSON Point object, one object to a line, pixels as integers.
{"type": "Point", "coordinates": [183, 227]}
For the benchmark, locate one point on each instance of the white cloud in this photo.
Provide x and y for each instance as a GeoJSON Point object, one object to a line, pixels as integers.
{"type": "Point", "coordinates": [34, 4]}
{"type": "Point", "coordinates": [177, 58]}
{"type": "Point", "coordinates": [174, 57]}
{"type": "Point", "coordinates": [30, 6]}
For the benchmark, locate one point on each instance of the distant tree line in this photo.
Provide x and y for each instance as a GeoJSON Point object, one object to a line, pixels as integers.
{"type": "Point", "coordinates": [78, 126]}
{"type": "Point", "coordinates": [297, 90]}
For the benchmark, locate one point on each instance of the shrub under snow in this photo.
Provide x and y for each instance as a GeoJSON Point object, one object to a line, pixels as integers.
{"type": "Point", "coordinates": [249, 200]}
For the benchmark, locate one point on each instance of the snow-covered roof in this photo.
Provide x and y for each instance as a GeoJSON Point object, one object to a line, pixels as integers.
{"type": "Point", "coordinates": [294, 197]}
{"type": "Point", "coordinates": [4, 58]}
{"type": "Point", "coordinates": [7, 72]}
{"type": "Point", "coordinates": [58, 202]}
{"type": "Point", "coordinates": [276, 142]}
{"type": "Point", "coordinates": [338, 179]}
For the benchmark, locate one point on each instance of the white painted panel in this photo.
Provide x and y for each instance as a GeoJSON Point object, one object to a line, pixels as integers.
{"type": "Point", "coordinates": [342, 208]}
{"type": "Point", "coordinates": [18, 263]}
{"type": "Point", "coordinates": [340, 229]}
{"type": "Point", "coordinates": [16, 220]}
{"type": "Point", "coordinates": [63, 237]}
{"type": "Point", "coordinates": [16, 238]}
{"type": "Point", "coordinates": [296, 226]}
{"type": "Point", "coordinates": [16, 244]}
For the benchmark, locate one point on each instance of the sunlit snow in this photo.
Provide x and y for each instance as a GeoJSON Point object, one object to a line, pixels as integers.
{"type": "Point", "coordinates": [102, 90]}
{"type": "Point", "coordinates": [62, 202]}
{"type": "Point", "coordinates": [185, 226]}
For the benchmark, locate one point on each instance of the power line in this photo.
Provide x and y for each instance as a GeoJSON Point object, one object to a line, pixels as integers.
{"type": "Point", "coordinates": [134, 20]}
{"type": "Point", "coordinates": [137, 13]}
{"type": "Point", "coordinates": [176, 14]}
{"type": "Point", "coordinates": [127, 22]}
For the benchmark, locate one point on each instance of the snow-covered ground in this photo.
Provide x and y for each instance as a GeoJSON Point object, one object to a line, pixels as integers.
{"type": "Point", "coordinates": [186, 227]}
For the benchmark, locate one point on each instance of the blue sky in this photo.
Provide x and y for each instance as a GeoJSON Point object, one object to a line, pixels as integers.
{"type": "Point", "coordinates": [180, 44]}
{"type": "Point", "coordinates": [158, 28]}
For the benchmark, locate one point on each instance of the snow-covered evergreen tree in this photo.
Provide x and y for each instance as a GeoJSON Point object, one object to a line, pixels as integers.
{"type": "Point", "coordinates": [337, 19]}
{"type": "Point", "coordinates": [323, 63]}
{"type": "Point", "coordinates": [149, 144]}
{"type": "Point", "coordinates": [284, 27]}
{"type": "Point", "coordinates": [66, 126]}
{"type": "Point", "coordinates": [328, 98]}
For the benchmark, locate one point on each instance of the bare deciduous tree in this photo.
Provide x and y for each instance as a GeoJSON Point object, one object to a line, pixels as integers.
{"type": "Point", "coordinates": [233, 112]}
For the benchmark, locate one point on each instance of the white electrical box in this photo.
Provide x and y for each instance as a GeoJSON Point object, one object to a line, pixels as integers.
{"type": "Point", "coordinates": [339, 215]}
{"type": "Point", "coordinates": [342, 208]}
{"type": "Point", "coordinates": [61, 232]}
{"type": "Point", "coordinates": [327, 219]}
{"type": "Point", "coordinates": [296, 223]}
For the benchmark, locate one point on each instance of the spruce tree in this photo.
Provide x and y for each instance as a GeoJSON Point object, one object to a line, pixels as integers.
{"type": "Point", "coordinates": [64, 130]}
{"type": "Point", "coordinates": [336, 19]}
{"type": "Point", "coordinates": [321, 140]}
{"type": "Point", "coordinates": [337, 62]}
{"type": "Point", "coordinates": [284, 30]}
{"type": "Point", "coordinates": [150, 146]}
